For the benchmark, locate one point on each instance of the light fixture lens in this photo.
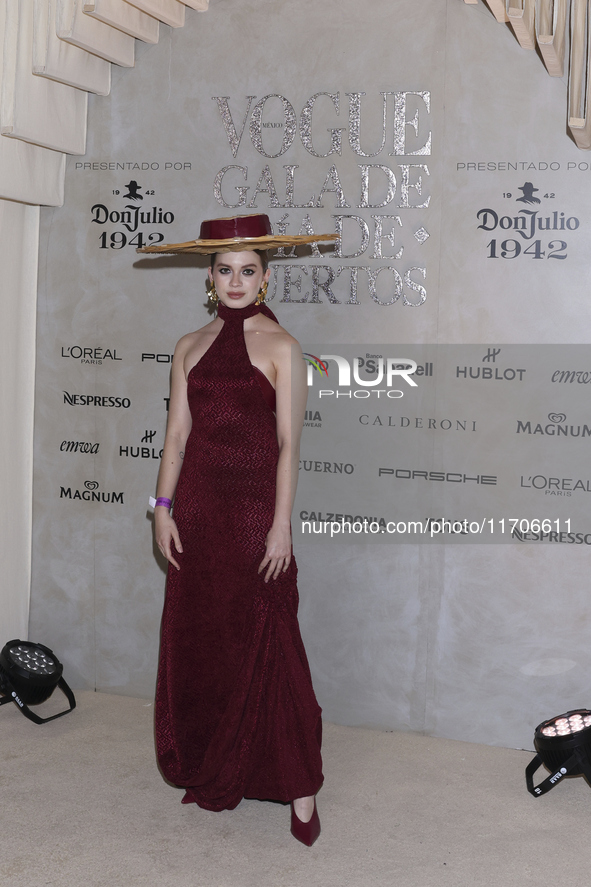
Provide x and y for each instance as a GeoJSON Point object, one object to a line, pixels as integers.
{"type": "Point", "coordinates": [32, 659]}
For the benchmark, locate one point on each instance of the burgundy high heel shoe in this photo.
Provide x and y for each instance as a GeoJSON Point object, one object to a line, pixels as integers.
{"type": "Point", "coordinates": [306, 832]}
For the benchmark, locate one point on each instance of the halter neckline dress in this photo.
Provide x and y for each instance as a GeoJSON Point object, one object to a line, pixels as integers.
{"type": "Point", "coordinates": [236, 714]}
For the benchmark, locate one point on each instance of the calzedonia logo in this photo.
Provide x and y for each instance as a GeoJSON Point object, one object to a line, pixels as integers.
{"type": "Point", "coordinates": [88, 354]}
{"type": "Point", "coordinates": [312, 419]}
{"type": "Point", "coordinates": [91, 493]}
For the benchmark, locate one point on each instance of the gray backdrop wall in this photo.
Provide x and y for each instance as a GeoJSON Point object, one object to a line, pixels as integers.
{"type": "Point", "coordinates": [464, 215]}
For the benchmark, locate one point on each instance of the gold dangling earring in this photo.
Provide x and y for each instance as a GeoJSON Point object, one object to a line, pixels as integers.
{"type": "Point", "coordinates": [211, 292]}
{"type": "Point", "coordinates": [260, 300]}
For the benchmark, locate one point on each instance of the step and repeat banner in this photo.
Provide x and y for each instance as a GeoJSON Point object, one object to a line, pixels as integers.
{"type": "Point", "coordinates": [440, 524]}
{"type": "Point", "coordinates": [428, 447]}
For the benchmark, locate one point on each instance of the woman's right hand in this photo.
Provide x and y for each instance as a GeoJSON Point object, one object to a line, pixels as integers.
{"type": "Point", "coordinates": [166, 532]}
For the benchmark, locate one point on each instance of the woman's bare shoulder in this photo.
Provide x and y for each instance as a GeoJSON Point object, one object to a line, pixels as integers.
{"type": "Point", "coordinates": [281, 338]}
{"type": "Point", "coordinates": [191, 340]}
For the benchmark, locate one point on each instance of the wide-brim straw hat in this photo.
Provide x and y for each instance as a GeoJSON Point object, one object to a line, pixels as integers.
{"type": "Point", "coordinates": [236, 234]}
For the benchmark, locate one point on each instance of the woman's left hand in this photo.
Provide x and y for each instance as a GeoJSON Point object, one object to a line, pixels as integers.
{"type": "Point", "coordinates": [278, 552]}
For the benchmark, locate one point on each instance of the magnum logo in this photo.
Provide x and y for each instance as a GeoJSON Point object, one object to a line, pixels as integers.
{"type": "Point", "coordinates": [91, 493]}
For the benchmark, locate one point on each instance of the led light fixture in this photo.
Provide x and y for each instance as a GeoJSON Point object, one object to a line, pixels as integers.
{"type": "Point", "coordinates": [29, 673]}
{"type": "Point", "coordinates": [563, 746]}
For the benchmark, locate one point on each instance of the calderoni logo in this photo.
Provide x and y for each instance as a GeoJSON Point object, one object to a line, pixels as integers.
{"type": "Point", "coordinates": [450, 477]}
{"type": "Point", "coordinates": [86, 354]}
{"type": "Point", "coordinates": [96, 400]}
{"type": "Point", "coordinates": [555, 486]}
{"type": "Point", "coordinates": [418, 422]}
{"type": "Point", "coordinates": [76, 446]}
{"type": "Point", "coordinates": [555, 427]}
{"type": "Point", "coordinates": [91, 493]}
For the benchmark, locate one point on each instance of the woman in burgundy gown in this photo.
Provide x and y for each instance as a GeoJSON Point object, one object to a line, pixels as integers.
{"type": "Point", "coordinates": [236, 714]}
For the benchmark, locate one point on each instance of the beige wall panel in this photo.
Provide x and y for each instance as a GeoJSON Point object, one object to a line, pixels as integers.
{"type": "Point", "coordinates": [579, 96]}
{"type": "Point", "coordinates": [19, 233]}
{"type": "Point", "coordinates": [31, 174]}
{"type": "Point", "coordinates": [498, 9]}
{"type": "Point", "coordinates": [550, 24]}
{"type": "Point", "coordinates": [89, 34]}
{"type": "Point", "coordinates": [58, 60]}
{"type": "Point", "coordinates": [35, 109]}
{"type": "Point", "coordinates": [27, 172]}
{"type": "Point", "coordinates": [119, 14]}
{"type": "Point", "coordinates": [171, 12]}
{"type": "Point", "coordinates": [521, 14]}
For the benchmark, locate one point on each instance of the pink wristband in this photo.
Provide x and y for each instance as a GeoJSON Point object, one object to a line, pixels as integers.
{"type": "Point", "coordinates": [161, 500]}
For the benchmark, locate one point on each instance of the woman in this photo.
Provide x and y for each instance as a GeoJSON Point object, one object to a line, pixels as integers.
{"type": "Point", "coordinates": [236, 714]}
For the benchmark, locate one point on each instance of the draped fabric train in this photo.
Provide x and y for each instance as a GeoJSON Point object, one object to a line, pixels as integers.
{"type": "Point", "coordinates": [236, 714]}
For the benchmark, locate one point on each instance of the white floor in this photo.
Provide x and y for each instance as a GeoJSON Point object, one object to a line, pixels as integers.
{"type": "Point", "coordinates": [83, 805]}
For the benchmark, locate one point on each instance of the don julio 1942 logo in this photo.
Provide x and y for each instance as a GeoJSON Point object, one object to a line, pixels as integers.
{"type": "Point", "coordinates": [537, 234]}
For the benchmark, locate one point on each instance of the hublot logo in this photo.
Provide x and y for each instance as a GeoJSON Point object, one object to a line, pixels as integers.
{"type": "Point", "coordinates": [495, 374]}
{"type": "Point", "coordinates": [143, 452]}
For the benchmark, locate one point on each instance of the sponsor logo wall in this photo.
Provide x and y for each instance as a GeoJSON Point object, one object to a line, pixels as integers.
{"type": "Point", "coordinates": [447, 430]}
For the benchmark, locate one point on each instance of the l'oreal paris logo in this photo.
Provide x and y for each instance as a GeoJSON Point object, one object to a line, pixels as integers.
{"type": "Point", "coordinates": [90, 355]}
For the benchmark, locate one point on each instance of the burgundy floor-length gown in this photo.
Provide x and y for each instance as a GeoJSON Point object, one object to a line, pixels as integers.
{"type": "Point", "coordinates": [236, 714]}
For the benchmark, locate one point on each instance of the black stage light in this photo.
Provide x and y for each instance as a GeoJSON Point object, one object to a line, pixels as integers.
{"type": "Point", "coordinates": [563, 746]}
{"type": "Point", "coordinates": [29, 673]}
